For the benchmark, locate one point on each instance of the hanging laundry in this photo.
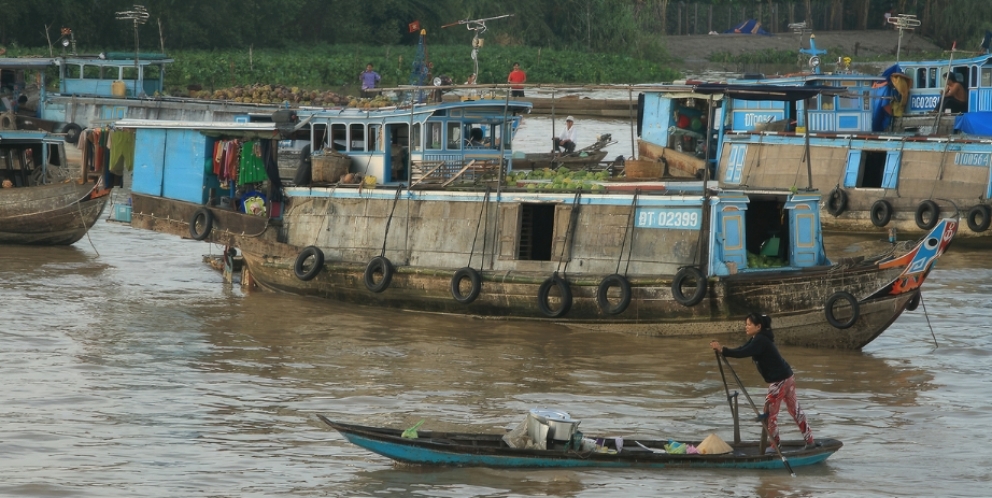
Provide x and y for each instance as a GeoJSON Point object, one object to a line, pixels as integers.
{"type": "Point", "coordinates": [252, 168]}
{"type": "Point", "coordinates": [122, 151]}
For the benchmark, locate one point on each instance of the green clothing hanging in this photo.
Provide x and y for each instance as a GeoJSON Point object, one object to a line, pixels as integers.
{"type": "Point", "coordinates": [252, 168]}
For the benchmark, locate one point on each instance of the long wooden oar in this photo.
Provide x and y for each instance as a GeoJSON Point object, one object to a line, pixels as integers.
{"type": "Point", "coordinates": [764, 421]}
{"type": "Point", "coordinates": [726, 388]}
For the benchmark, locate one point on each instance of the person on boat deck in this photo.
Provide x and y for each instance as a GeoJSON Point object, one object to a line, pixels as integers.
{"type": "Point", "coordinates": [517, 77]}
{"type": "Point", "coordinates": [774, 369]}
{"type": "Point", "coordinates": [566, 139]}
{"type": "Point", "coordinates": [955, 97]}
{"type": "Point", "coordinates": [369, 79]}
{"type": "Point", "coordinates": [475, 137]}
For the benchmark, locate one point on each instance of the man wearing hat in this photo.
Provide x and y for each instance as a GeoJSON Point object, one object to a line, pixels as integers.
{"type": "Point", "coordinates": [566, 139]}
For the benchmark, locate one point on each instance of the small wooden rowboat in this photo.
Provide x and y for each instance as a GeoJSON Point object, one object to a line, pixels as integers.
{"type": "Point", "coordinates": [490, 450]}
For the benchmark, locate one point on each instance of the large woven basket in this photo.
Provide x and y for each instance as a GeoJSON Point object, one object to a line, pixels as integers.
{"type": "Point", "coordinates": [636, 169]}
{"type": "Point", "coordinates": [329, 167]}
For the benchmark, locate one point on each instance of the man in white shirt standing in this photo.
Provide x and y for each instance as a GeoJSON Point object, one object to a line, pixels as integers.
{"type": "Point", "coordinates": [566, 139]}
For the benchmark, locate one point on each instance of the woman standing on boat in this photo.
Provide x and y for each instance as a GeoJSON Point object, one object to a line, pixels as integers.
{"type": "Point", "coordinates": [774, 369]}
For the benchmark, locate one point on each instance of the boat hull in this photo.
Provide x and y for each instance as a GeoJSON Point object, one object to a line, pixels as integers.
{"type": "Point", "coordinates": [57, 214]}
{"type": "Point", "coordinates": [484, 450]}
{"type": "Point", "coordinates": [512, 290]}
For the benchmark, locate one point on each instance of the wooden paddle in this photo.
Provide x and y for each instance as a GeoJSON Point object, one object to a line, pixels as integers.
{"type": "Point", "coordinates": [764, 421]}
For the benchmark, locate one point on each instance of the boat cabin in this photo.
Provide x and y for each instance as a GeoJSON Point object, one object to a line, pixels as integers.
{"type": "Point", "coordinates": [31, 158]}
{"type": "Point", "coordinates": [419, 142]}
{"type": "Point", "coordinates": [113, 74]}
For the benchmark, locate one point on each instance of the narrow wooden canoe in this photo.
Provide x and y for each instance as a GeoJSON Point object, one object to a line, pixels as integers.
{"type": "Point", "coordinates": [489, 450]}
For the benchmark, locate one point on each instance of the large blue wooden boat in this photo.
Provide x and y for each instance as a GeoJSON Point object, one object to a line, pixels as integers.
{"type": "Point", "coordinates": [872, 143]}
{"type": "Point", "coordinates": [491, 450]}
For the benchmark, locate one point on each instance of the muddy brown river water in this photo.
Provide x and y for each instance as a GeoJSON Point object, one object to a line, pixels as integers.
{"type": "Point", "coordinates": [130, 369]}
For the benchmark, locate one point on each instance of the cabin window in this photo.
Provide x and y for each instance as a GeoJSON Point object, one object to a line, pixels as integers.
{"type": "Point", "coordinates": [537, 228]}
{"type": "Point", "coordinates": [826, 102]}
{"type": "Point", "coordinates": [54, 159]}
{"type": "Point", "coordinates": [339, 137]}
{"type": "Point", "coordinates": [932, 83]}
{"type": "Point", "coordinates": [433, 136]}
{"type": "Point", "coordinates": [987, 77]}
{"type": "Point", "coordinates": [454, 135]}
{"type": "Point", "coordinates": [850, 103]}
{"type": "Point", "coordinates": [72, 71]}
{"type": "Point", "coordinates": [129, 73]}
{"type": "Point", "coordinates": [865, 169]}
{"type": "Point", "coordinates": [373, 142]}
{"type": "Point", "coordinates": [767, 233]}
{"type": "Point", "coordinates": [357, 132]}
{"type": "Point", "coordinates": [415, 137]}
{"type": "Point", "coordinates": [974, 78]}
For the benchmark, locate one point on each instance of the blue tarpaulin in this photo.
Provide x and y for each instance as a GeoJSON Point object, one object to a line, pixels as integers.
{"type": "Point", "coordinates": [974, 123]}
{"type": "Point", "coordinates": [749, 27]}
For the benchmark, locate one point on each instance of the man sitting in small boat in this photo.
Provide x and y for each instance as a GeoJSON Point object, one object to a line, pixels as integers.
{"type": "Point", "coordinates": [566, 140]}
{"type": "Point", "coordinates": [955, 98]}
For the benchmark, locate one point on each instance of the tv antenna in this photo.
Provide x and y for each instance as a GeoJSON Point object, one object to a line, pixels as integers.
{"type": "Point", "coordinates": [903, 22]}
{"type": "Point", "coordinates": [479, 26]}
{"type": "Point", "coordinates": [139, 15]}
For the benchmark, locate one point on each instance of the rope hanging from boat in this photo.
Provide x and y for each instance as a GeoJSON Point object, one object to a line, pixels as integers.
{"type": "Point", "coordinates": [389, 220]}
{"type": "Point", "coordinates": [628, 229]}
{"type": "Point", "coordinates": [569, 236]}
{"type": "Point", "coordinates": [482, 209]}
{"type": "Point", "coordinates": [82, 219]}
{"type": "Point", "coordinates": [927, 316]}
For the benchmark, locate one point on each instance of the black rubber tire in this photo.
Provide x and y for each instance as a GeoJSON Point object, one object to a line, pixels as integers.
{"type": "Point", "coordinates": [615, 280]}
{"type": "Point", "coordinates": [195, 222]}
{"type": "Point", "coordinates": [828, 310]}
{"type": "Point", "coordinates": [927, 208]}
{"type": "Point", "coordinates": [837, 201]}
{"type": "Point", "coordinates": [72, 133]}
{"type": "Point", "coordinates": [881, 213]}
{"type": "Point", "coordinates": [474, 278]}
{"type": "Point", "coordinates": [689, 272]}
{"type": "Point", "coordinates": [379, 264]}
{"type": "Point", "coordinates": [979, 218]}
{"type": "Point", "coordinates": [302, 272]}
{"type": "Point", "coordinates": [8, 121]}
{"type": "Point", "coordinates": [544, 291]}
{"type": "Point", "coordinates": [914, 302]}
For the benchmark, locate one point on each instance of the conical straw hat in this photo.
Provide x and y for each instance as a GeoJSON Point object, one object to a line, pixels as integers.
{"type": "Point", "coordinates": [713, 445]}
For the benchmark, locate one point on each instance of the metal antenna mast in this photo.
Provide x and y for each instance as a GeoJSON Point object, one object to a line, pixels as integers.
{"type": "Point", "coordinates": [903, 22]}
{"type": "Point", "coordinates": [479, 26]}
{"type": "Point", "coordinates": [139, 15]}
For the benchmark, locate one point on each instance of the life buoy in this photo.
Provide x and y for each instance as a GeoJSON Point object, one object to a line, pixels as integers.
{"type": "Point", "coordinates": [914, 302]}
{"type": "Point", "coordinates": [72, 132]}
{"type": "Point", "coordinates": [475, 285]}
{"type": "Point", "coordinates": [8, 121]}
{"type": "Point", "coordinates": [379, 264]}
{"type": "Point", "coordinates": [881, 213]}
{"type": "Point", "coordinates": [301, 270]}
{"type": "Point", "coordinates": [927, 214]}
{"type": "Point", "coordinates": [544, 291]}
{"type": "Point", "coordinates": [979, 218]}
{"type": "Point", "coordinates": [837, 202]}
{"type": "Point", "coordinates": [828, 309]}
{"type": "Point", "coordinates": [615, 280]}
{"type": "Point", "coordinates": [201, 223]}
{"type": "Point", "coordinates": [683, 275]}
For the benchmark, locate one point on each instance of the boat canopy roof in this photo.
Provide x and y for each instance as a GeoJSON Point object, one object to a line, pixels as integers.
{"type": "Point", "coordinates": [767, 92]}
{"type": "Point", "coordinates": [8, 137]}
{"type": "Point", "coordinates": [26, 62]}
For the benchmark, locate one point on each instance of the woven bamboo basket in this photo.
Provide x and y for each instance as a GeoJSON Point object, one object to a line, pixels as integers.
{"type": "Point", "coordinates": [329, 167]}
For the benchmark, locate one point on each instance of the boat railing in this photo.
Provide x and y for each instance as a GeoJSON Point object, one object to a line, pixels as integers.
{"type": "Point", "coordinates": [444, 173]}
